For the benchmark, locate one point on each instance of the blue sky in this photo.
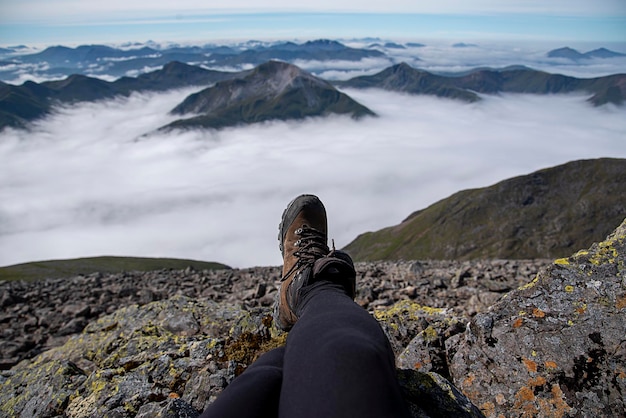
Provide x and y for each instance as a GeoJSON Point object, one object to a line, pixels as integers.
{"type": "Point", "coordinates": [79, 21]}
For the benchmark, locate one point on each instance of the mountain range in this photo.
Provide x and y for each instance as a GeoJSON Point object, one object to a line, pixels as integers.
{"type": "Point", "coordinates": [56, 62]}
{"type": "Point", "coordinates": [466, 86]}
{"type": "Point", "coordinates": [546, 214]}
{"type": "Point", "coordinates": [105, 60]}
{"type": "Point", "coordinates": [20, 105]}
{"type": "Point", "coordinates": [276, 90]}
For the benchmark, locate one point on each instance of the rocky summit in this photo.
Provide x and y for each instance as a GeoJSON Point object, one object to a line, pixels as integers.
{"type": "Point", "coordinates": [472, 338]}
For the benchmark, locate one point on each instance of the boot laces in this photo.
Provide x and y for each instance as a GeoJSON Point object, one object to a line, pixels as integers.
{"type": "Point", "coordinates": [311, 246]}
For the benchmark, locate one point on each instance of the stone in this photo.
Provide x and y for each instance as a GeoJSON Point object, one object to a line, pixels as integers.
{"type": "Point", "coordinates": [555, 346]}
{"type": "Point", "coordinates": [429, 396]}
{"type": "Point", "coordinates": [172, 408]}
{"type": "Point", "coordinates": [135, 363]}
{"type": "Point", "coordinates": [186, 334]}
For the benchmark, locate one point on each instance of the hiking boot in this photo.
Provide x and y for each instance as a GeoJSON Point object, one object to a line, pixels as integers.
{"type": "Point", "coordinates": [303, 236]}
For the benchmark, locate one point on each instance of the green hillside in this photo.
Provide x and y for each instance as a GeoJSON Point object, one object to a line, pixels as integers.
{"type": "Point", "coordinates": [73, 267]}
{"type": "Point", "coordinates": [547, 214]}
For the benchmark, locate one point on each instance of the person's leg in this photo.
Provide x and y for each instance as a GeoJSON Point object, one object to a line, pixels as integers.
{"type": "Point", "coordinates": [338, 361]}
{"type": "Point", "coordinates": [253, 394]}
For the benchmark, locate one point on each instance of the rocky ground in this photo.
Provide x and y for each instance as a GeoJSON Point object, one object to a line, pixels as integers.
{"type": "Point", "coordinates": [485, 338]}
{"type": "Point", "coordinates": [36, 316]}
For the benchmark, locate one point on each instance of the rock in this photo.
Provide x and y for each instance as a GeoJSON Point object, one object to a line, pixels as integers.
{"type": "Point", "coordinates": [135, 363]}
{"type": "Point", "coordinates": [555, 346]}
{"type": "Point", "coordinates": [430, 395]}
{"type": "Point", "coordinates": [423, 329]}
{"type": "Point", "coordinates": [177, 338]}
{"type": "Point", "coordinates": [173, 408]}
{"type": "Point", "coordinates": [74, 326]}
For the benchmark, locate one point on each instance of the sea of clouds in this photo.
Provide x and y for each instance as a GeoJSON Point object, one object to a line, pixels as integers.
{"type": "Point", "coordinates": [87, 181]}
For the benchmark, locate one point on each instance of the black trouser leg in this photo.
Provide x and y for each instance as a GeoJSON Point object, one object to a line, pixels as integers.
{"type": "Point", "coordinates": [253, 394]}
{"type": "Point", "coordinates": [338, 361]}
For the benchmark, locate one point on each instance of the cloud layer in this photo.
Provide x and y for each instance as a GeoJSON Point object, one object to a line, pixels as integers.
{"type": "Point", "coordinates": [87, 182]}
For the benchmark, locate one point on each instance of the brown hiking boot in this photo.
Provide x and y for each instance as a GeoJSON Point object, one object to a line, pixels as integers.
{"type": "Point", "coordinates": [303, 240]}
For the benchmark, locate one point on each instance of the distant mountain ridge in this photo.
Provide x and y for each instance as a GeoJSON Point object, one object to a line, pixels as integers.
{"type": "Point", "coordinates": [572, 54]}
{"type": "Point", "coordinates": [106, 60]}
{"type": "Point", "coordinates": [466, 86]}
{"type": "Point", "coordinates": [546, 214]}
{"type": "Point", "coordinates": [272, 91]}
{"type": "Point", "coordinates": [20, 105]}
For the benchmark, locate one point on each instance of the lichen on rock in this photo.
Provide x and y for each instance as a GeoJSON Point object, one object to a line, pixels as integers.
{"type": "Point", "coordinates": [556, 348]}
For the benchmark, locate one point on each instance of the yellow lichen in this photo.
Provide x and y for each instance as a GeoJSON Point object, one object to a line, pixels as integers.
{"type": "Point", "coordinates": [606, 253]}
{"type": "Point", "coordinates": [569, 288]}
{"type": "Point", "coordinates": [406, 307]}
{"type": "Point", "coordinates": [430, 334]}
{"type": "Point", "coordinates": [529, 284]}
{"type": "Point", "coordinates": [562, 262]}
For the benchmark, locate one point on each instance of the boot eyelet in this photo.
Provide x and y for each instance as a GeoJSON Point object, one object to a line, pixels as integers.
{"type": "Point", "coordinates": [298, 231]}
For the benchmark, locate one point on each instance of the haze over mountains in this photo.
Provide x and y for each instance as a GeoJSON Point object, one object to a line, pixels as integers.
{"type": "Point", "coordinates": [85, 180]}
{"type": "Point", "coordinates": [328, 59]}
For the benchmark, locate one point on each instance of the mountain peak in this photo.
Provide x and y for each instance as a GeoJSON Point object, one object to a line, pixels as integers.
{"type": "Point", "coordinates": [325, 44]}
{"type": "Point", "coordinates": [273, 90]}
{"type": "Point", "coordinates": [279, 75]}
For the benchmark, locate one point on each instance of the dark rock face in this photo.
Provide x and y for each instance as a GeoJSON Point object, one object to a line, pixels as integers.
{"type": "Point", "coordinates": [554, 347]}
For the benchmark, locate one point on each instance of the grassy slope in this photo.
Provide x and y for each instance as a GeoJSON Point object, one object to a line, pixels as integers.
{"type": "Point", "coordinates": [73, 267]}
{"type": "Point", "coordinates": [547, 214]}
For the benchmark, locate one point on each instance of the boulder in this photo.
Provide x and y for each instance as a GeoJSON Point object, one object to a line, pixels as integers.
{"type": "Point", "coordinates": [555, 347]}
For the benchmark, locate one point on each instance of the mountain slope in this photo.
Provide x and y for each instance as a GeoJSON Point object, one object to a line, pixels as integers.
{"type": "Point", "coordinates": [404, 78]}
{"type": "Point", "coordinates": [20, 105]}
{"type": "Point", "coordinates": [465, 86]}
{"type": "Point", "coordinates": [272, 91]}
{"type": "Point", "coordinates": [546, 214]}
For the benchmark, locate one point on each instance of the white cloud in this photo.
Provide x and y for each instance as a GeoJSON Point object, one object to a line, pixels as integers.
{"type": "Point", "coordinates": [86, 182]}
